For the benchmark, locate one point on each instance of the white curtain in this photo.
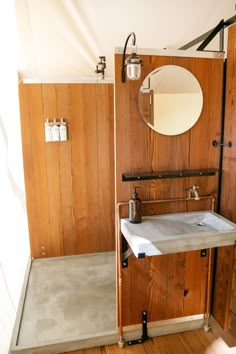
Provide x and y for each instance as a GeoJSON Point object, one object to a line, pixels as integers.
{"type": "Point", "coordinates": [14, 243]}
{"type": "Point", "coordinates": [64, 38]}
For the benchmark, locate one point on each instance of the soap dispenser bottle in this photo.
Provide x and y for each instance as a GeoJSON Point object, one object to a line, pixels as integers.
{"type": "Point", "coordinates": [55, 131]}
{"type": "Point", "coordinates": [63, 130]}
{"type": "Point", "coordinates": [135, 206]}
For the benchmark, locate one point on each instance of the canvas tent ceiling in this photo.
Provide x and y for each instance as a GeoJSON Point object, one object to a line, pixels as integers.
{"type": "Point", "coordinates": [64, 38]}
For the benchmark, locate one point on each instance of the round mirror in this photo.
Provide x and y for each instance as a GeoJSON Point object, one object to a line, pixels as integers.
{"type": "Point", "coordinates": [170, 100]}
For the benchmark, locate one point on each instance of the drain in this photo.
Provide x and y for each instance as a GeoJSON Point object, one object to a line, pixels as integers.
{"type": "Point", "coordinates": [200, 224]}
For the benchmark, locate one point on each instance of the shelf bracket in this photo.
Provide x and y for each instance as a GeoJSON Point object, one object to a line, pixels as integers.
{"type": "Point", "coordinates": [144, 329]}
{"type": "Point", "coordinates": [126, 252]}
{"type": "Point", "coordinates": [125, 256]}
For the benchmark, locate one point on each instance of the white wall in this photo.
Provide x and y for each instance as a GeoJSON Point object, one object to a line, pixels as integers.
{"type": "Point", "coordinates": [64, 38]}
{"type": "Point", "coordinates": [14, 244]}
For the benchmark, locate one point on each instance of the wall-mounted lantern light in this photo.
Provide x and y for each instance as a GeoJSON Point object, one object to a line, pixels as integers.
{"type": "Point", "coordinates": [133, 63]}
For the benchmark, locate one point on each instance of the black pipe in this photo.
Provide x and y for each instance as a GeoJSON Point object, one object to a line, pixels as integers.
{"type": "Point", "coordinates": [222, 137]}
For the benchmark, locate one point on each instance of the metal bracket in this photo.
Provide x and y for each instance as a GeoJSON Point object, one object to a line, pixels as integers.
{"type": "Point", "coordinates": [213, 33]}
{"type": "Point", "coordinates": [208, 36]}
{"type": "Point", "coordinates": [203, 252]}
{"type": "Point", "coordinates": [126, 252]}
{"type": "Point", "coordinates": [125, 256]}
{"type": "Point", "coordinates": [144, 328]}
{"type": "Point", "coordinates": [217, 143]}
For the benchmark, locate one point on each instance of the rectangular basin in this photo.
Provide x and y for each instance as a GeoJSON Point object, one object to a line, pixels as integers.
{"type": "Point", "coordinates": [180, 232]}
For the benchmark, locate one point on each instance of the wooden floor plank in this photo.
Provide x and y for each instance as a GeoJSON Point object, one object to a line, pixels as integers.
{"type": "Point", "coordinates": [87, 351]}
{"type": "Point", "coordinates": [216, 341]}
{"type": "Point", "coordinates": [134, 349]}
{"type": "Point", "coordinates": [169, 344]}
{"type": "Point", "coordinates": [150, 347]}
{"type": "Point", "coordinates": [218, 346]}
{"type": "Point", "coordinates": [205, 338]}
{"type": "Point", "coordinates": [194, 343]}
{"type": "Point", "coordinates": [229, 337]}
{"type": "Point", "coordinates": [93, 351]}
{"type": "Point", "coordinates": [233, 325]}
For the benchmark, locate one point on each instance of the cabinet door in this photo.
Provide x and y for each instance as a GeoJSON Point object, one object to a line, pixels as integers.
{"type": "Point", "coordinates": [167, 286]}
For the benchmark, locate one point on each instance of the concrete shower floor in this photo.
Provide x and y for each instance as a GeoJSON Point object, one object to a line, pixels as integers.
{"type": "Point", "coordinates": [69, 304]}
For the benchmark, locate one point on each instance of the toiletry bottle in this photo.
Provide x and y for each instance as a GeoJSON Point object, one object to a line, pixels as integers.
{"type": "Point", "coordinates": [63, 130]}
{"type": "Point", "coordinates": [135, 206]}
{"type": "Point", "coordinates": [55, 131]}
{"type": "Point", "coordinates": [48, 131]}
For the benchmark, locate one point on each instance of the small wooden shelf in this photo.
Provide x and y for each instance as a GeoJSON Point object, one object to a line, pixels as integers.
{"type": "Point", "coordinates": [141, 176]}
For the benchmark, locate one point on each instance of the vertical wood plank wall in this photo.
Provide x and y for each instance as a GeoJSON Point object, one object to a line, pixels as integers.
{"type": "Point", "coordinates": [157, 284]}
{"type": "Point", "coordinates": [69, 185]}
{"type": "Point", "coordinates": [225, 256]}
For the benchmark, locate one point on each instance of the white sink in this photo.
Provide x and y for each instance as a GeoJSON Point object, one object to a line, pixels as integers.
{"type": "Point", "coordinates": [172, 233]}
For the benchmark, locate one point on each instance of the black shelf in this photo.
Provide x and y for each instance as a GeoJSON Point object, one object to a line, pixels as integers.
{"type": "Point", "coordinates": [142, 176]}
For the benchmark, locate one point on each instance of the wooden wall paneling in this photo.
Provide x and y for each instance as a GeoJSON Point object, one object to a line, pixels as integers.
{"type": "Point", "coordinates": [93, 166]}
{"type": "Point", "coordinates": [124, 145]}
{"type": "Point", "coordinates": [69, 185]}
{"type": "Point", "coordinates": [223, 286]}
{"type": "Point", "coordinates": [225, 255]}
{"type": "Point", "coordinates": [131, 133]}
{"type": "Point", "coordinates": [233, 301]}
{"type": "Point", "coordinates": [105, 157]}
{"type": "Point", "coordinates": [67, 200]}
{"type": "Point", "coordinates": [166, 286]}
{"type": "Point", "coordinates": [195, 283]}
{"type": "Point", "coordinates": [84, 165]}
{"type": "Point", "coordinates": [170, 152]}
{"type": "Point", "coordinates": [164, 146]}
{"type": "Point", "coordinates": [78, 159]}
{"type": "Point", "coordinates": [208, 128]}
{"type": "Point", "coordinates": [229, 154]}
{"type": "Point", "coordinates": [40, 174]}
{"type": "Point", "coordinates": [53, 189]}
{"type": "Point", "coordinates": [139, 149]}
{"type": "Point", "coordinates": [29, 171]}
{"type": "Point", "coordinates": [158, 149]}
{"type": "Point", "coordinates": [135, 290]}
{"type": "Point", "coordinates": [65, 171]}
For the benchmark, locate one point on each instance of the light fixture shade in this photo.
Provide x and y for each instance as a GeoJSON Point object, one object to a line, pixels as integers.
{"type": "Point", "coordinates": [133, 64]}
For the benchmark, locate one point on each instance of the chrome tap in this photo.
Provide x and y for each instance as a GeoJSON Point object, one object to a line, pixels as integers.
{"type": "Point", "coordinates": [193, 191]}
{"type": "Point", "coordinates": [101, 66]}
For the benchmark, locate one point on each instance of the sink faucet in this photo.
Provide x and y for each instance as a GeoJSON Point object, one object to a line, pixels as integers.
{"type": "Point", "coordinates": [193, 191]}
